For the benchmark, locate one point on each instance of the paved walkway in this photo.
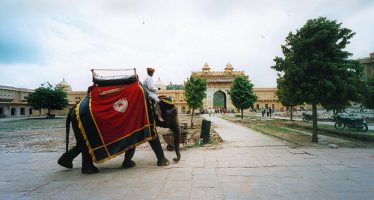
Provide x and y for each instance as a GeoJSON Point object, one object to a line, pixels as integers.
{"type": "Point", "coordinates": [248, 166]}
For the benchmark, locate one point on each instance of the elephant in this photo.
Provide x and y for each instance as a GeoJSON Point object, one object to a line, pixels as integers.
{"type": "Point", "coordinates": [169, 114]}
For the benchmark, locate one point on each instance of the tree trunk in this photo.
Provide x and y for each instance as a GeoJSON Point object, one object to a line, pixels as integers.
{"type": "Point", "coordinates": [315, 128]}
{"type": "Point", "coordinates": [291, 115]}
{"type": "Point", "coordinates": [241, 110]}
{"type": "Point", "coordinates": [192, 117]}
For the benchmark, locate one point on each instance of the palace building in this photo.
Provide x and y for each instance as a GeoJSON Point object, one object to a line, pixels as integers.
{"type": "Point", "coordinates": [219, 83]}
{"type": "Point", "coordinates": [13, 100]}
{"type": "Point", "coordinates": [368, 65]}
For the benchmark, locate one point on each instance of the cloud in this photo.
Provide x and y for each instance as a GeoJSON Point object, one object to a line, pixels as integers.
{"type": "Point", "coordinates": [66, 39]}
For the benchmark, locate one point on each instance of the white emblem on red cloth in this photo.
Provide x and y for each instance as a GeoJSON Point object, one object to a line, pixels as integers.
{"type": "Point", "coordinates": [121, 105]}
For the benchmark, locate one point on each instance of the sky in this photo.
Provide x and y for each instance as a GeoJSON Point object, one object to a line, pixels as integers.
{"type": "Point", "coordinates": [48, 41]}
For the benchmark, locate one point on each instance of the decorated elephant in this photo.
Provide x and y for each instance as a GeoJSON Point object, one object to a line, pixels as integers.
{"type": "Point", "coordinates": [91, 148]}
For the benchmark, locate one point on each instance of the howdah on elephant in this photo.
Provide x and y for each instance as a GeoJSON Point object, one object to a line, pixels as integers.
{"type": "Point", "coordinates": [98, 148]}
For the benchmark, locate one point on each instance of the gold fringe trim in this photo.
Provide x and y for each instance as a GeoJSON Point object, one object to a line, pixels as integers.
{"type": "Point", "coordinates": [90, 150]}
{"type": "Point", "coordinates": [97, 127]}
{"type": "Point", "coordinates": [80, 125]}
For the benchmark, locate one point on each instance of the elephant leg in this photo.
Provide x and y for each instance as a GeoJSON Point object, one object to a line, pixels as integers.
{"type": "Point", "coordinates": [156, 146]}
{"type": "Point", "coordinates": [127, 162]}
{"type": "Point", "coordinates": [87, 164]}
{"type": "Point", "coordinates": [66, 160]}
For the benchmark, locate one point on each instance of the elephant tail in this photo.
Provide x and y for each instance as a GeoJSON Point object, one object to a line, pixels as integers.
{"type": "Point", "coordinates": [68, 121]}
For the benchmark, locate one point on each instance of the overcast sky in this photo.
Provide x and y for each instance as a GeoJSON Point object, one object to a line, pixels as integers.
{"type": "Point", "coordinates": [44, 40]}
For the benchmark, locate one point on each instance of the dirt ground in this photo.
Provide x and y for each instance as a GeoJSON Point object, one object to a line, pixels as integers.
{"type": "Point", "coordinates": [48, 135]}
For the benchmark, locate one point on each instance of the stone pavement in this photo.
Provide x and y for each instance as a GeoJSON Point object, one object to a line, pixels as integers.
{"type": "Point", "coordinates": [248, 166]}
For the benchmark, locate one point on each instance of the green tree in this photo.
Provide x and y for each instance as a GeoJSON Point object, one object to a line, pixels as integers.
{"type": "Point", "coordinates": [175, 87]}
{"type": "Point", "coordinates": [241, 93]}
{"type": "Point", "coordinates": [287, 94]}
{"type": "Point", "coordinates": [195, 90]}
{"type": "Point", "coordinates": [47, 97]}
{"type": "Point", "coordinates": [368, 97]}
{"type": "Point", "coordinates": [318, 67]}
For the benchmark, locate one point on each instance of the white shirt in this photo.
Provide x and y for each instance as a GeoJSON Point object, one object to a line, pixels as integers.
{"type": "Point", "coordinates": [148, 83]}
{"type": "Point", "coordinates": [151, 88]}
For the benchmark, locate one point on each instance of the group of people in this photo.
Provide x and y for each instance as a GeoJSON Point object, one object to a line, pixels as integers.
{"type": "Point", "coordinates": [212, 111]}
{"type": "Point", "coordinates": [268, 111]}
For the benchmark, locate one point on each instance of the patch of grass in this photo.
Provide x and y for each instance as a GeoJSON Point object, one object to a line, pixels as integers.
{"type": "Point", "coordinates": [330, 130]}
{"type": "Point", "coordinates": [277, 128]}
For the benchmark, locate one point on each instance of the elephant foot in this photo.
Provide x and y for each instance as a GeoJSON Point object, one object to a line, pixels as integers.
{"type": "Point", "coordinates": [163, 162]}
{"type": "Point", "coordinates": [65, 161]}
{"type": "Point", "coordinates": [128, 164]}
{"type": "Point", "coordinates": [90, 170]}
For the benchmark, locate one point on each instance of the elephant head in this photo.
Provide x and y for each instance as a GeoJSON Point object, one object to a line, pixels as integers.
{"type": "Point", "coordinates": [170, 115]}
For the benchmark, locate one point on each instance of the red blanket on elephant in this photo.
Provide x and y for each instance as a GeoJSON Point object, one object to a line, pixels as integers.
{"type": "Point", "coordinates": [114, 119]}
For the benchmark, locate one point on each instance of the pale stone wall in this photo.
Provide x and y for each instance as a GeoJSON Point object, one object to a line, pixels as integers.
{"type": "Point", "coordinates": [13, 102]}
{"type": "Point", "coordinates": [178, 98]}
{"type": "Point", "coordinates": [368, 64]}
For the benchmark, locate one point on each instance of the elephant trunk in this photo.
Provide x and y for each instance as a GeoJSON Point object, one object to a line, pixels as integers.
{"type": "Point", "coordinates": [68, 120]}
{"type": "Point", "coordinates": [177, 135]}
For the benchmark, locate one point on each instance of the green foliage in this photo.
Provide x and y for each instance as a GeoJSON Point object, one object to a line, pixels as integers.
{"type": "Point", "coordinates": [175, 87]}
{"type": "Point", "coordinates": [195, 91]}
{"type": "Point", "coordinates": [316, 69]}
{"type": "Point", "coordinates": [241, 93]}
{"type": "Point", "coordinates": [368, 97]}
{"type": "Point", "coordinates": [47, 97]}
{"type": "Point", "coordinates": [286, 93]}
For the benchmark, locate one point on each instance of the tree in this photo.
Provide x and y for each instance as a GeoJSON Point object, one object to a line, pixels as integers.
{"type": "Point", "coordinates": [195, 90]}
{"type": "Point", "coordinates": [47, 97]}
{"type": "Point", "coordinates": [241, 93]}
{"type": "Point", "coordinates": [287, 94]}
{"type": "Point", "coordinates": [368, 97]}
{"type": "Point", "coordinates": [175, 87]}
{"type": "Point", "coordinates": [317, 66]}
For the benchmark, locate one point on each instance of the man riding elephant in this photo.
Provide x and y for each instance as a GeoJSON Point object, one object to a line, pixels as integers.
{"type": "Point", "coordinates": [93, 147]}
{"type": "Point", "coordinates": [151, 89]}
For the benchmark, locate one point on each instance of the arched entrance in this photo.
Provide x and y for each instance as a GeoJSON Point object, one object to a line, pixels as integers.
{"type": "Point", "coordinates": [219, 99]}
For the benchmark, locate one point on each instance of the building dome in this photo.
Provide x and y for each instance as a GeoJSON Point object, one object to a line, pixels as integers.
{"type": "Point", "coordinates": [64, 85]}
{"type": "Point", "coordinates": [229, 68]}
{"type": "Point", "coordinates": [160, 85]}
{"type": "Point", "coordinates": [206, 68]}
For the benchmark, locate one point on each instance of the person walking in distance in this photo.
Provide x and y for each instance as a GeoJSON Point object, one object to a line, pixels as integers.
{"type": "Point", "coordinates": [151, 90]}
